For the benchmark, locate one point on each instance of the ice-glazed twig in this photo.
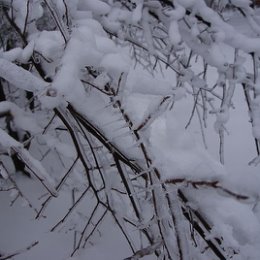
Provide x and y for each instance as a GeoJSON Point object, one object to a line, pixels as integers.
{"type": "Point", "coordinates": [20, 251]}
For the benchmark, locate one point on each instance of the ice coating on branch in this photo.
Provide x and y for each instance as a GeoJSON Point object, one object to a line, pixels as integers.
{"type": "Point", "coordinates": [110, 122]}
{"type": "Point", "coordinates": [3, 172]}
{"type": "Point", "coordinates": [228, 33]}
{"type": "Point", "coordinates": [88, 47]}
{"type": "Point", "coordinates": [10, 145]}
{"type": "Point", "coordinates": [36, 168]}
{"type": "Point", "coordinates": [91, 64]}
{"type": "Point", "coordinates": [27, 52]}
{"type": "Point", "coordinates": [20, 77]}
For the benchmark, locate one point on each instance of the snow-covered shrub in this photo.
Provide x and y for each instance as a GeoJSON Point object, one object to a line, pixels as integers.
{"type": "Point", "coordinates": [100, 99]}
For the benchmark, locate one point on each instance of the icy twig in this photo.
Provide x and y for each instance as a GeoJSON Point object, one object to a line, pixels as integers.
{"type": "Point", "coordinates": [18, 252]}
{"type": "Point", "coordinates": [35, 168]}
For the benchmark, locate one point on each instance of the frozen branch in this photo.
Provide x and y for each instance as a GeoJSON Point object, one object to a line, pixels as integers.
{"type": "Point", "coordinates": [18, 252]}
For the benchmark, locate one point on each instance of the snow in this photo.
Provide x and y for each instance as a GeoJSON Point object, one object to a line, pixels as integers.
{"type": "Point", "coordinates": [62, 148]}
{"type": "Point", "coordinates": [115, 64]}
{"type": "Point", "coordinates": [98, 8]}
{"type": "Point", "coordinates": [27, 51]}
{"type": "Point", "coordinates": [186, 3]}
{"type": "Point", "coordinates": [179, 155]}
{"type": "Point", "coordinates": [19, 54]}
{"type": "Point", "coordinates": [104, 44]}
{"type": "Point", "coordinates": [48, 43]}
{"type": "Point", "coordinates": [241, 3]}
{"type": "Point", "coordinates": [20, 77]}
{"type": "Point", "coordinates": [178, 13]}
{"type": "Point", "coordinates": [22, 120]}
{"type": "Point", "coordinates": [12, 54]}
{"type": "Point", "coordinates": [137, 14]}
{"type": "Point", "coordinates": [242, 232]}
{"type": "Point", "coordinates": [101, 80]}
{"type": "Point", "coordinates": [36, 168]}
{"type": "Point", "coordinates": [144, 84]}
{"type": "Point", "coordinates": [3, 172]}
{"type": "Point", "coordinates": [174, 33]}
{"type": "Point", "coordinates": [108, 122]}
{"type": "Point", "coordinates": [256, 117]}
{"type": "Point", "coordinates": [7, 141]}
{"type": "Point", "coordinates": [153, 112]}
{"type": "Point", "coordinates": [212, 54]}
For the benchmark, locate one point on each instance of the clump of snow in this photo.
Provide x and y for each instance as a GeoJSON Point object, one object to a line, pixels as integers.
{"type": "Point", "coordinates": [186, 3]}
{"type": "Point", "coordinates": [179, 93]}
{"type": "Point", "coordinates": [97, 7]}
{"type": "Point", "coordinates": [222, 117]}
{"type": "Point", "coordinates": [49, 44]}
{"type": "Point", "coordinates": [22, 120]}
{"type": "Point", "coordinates": [137, 13]}
{"type": "Point", "coordinates": [147, 85]}
{"type": "Point", "coordinates": [27, 52]}
{"type": "Point", "coordinates": [3, 172]}
{"type": "Point", "coordinates": [115, 64]}
{"type": "Point", "coordinates": [105, 44]}
{"type": "Point", "coordinates": [101, 80]}
{"type": "Point", "coordinates": [242, 232]}
{"type": "Point", "coordinates": [174, 34]}
{"type": "Point", "coordinates": [177, 153]}
{"type": "Point", "coordinates": [92, 25]}
{"type": "Point", "coordinates": [173, 150]}
{"type": "Point", "coordinates": [177, 13]}
{"type": "Point", "coordinates": [20, 77]}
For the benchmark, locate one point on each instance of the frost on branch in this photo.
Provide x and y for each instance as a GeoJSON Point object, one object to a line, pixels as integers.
{"type": "Point", "coordinates": [116, 104]}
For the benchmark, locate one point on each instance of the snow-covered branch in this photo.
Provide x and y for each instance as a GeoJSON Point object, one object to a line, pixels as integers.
{"type": "Point", "coordinates": [106, 99]}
